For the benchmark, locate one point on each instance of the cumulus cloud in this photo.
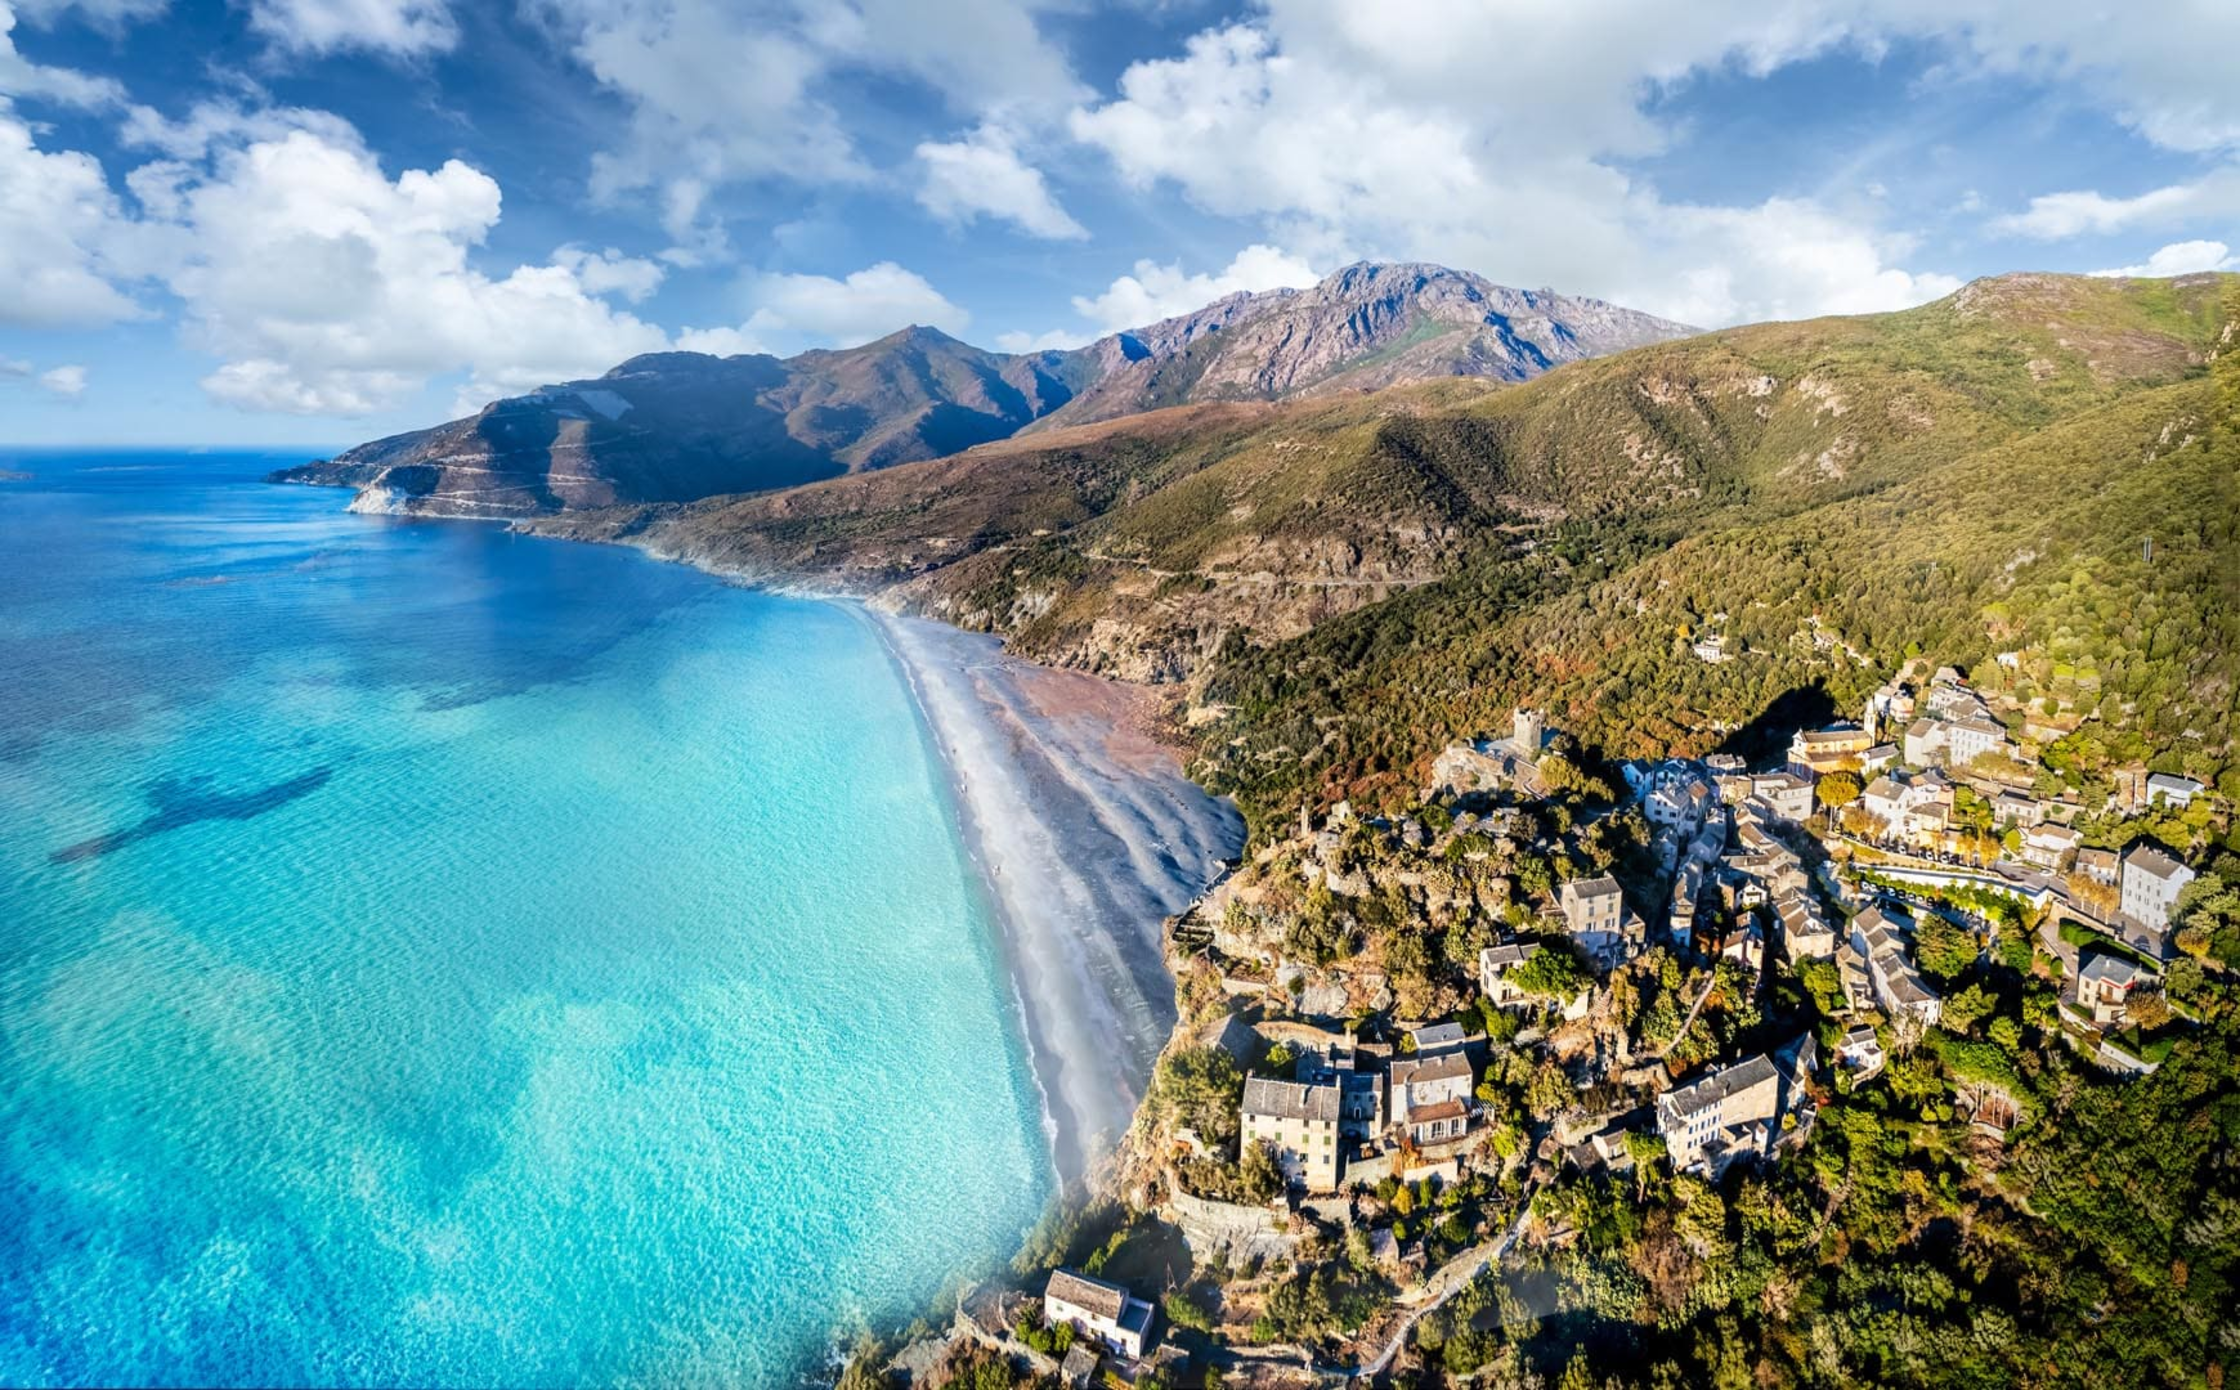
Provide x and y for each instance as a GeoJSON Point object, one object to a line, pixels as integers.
{"type": "Point", "coordinates": [2181, 258]}
{"type": "Point", "coordinates": [67, 382]}
{"type": "Point", "coordinates": [823, 311]}
{"type": "Point", "coordinates": [331, 288]}
{"type": "Point", "coordinates": [1345, 141]}
{"type": "Point", "coordinates": [20, 77]}
{"type": "Point", "coordinates": [1157, 291]}
{"type": "Point", "coordinates": [723, 92]}
{"type": "Point", "coordinates": [982, 175]}
{"type": "Point", "coordinates": [611, 272]}
{"type": "Point", "coordinates": [2059, 216]}
{"type": "Point", "coordinates": [60, 227]}
{"type": "Point", "coordinates": [398, 28]}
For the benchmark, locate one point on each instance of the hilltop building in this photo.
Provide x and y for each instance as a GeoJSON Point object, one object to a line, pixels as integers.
{"type": "Point", "coordinates": [1300, 1121]}
{"type": "Point", "coordinates": [1106, 1312]}
{"type": "Point", "coordinates": [1595, 913]}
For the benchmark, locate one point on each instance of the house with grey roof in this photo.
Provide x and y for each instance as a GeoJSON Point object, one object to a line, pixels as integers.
{"type": "Point", "coordinates": [2173, 790]}
{"type": "Point", "coordinates": [1883, 938]}
{"type": "Point", "coordinates": [1734, 1113]}
{"type": "Point", "coordinates": [1106, 1312]}
{"type": "Point", "coordinates": [1300, 1122]}
{"type": "Point", "coordinates": [2152, 881]}
{"type": "Point", "coordinates": [2105, 984]}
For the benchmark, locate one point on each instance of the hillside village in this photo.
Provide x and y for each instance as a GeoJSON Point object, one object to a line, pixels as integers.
{"type": "Point", "coordinates": [1420, 1046]}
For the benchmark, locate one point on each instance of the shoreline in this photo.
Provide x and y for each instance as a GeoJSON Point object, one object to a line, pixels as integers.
{"type": "Point", "coordinates": [1087, 837]}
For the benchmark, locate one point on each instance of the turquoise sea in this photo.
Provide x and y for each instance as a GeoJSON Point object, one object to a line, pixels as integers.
{"type": "Point", "coordinates": [435, 957]}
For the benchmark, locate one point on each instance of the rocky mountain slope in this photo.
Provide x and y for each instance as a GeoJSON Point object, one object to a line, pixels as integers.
{"type": "Point", "coordinates": [1344, 584]}
{"type": "Point", "coordinates": [675, 427]}
{"type": "Point", "coordinates": [1368, 326]}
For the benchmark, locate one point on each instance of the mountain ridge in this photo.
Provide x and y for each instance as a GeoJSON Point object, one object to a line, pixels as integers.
{"type": "Point", "coordinates": [679, 426]}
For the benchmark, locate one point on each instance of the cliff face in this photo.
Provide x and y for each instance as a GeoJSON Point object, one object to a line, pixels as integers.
{"type": "Point", "coordinates": [677, 427]}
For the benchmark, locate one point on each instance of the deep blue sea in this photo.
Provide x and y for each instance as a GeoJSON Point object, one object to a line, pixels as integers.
{"type": "Point", "coordinates": [430, 956]}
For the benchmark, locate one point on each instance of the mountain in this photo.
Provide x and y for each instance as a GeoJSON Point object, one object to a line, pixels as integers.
{"type": "Point", "coordinates": [674, 427]}
{"type": "Point", "coordinates": [1368, 326]}
{"type": "Point", "coordinates": [1345, 584]}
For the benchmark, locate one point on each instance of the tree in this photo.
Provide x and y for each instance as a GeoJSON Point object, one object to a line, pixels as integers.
{"type": "Point", "coordinates": [1837, 790]}
{"type": "Point", "coordinates": [1943, 949]}
{"type": "Point", "coordinates": [1552, 973]}
{"type": "Point", "coordinates": [1963, 1011]}
{"type": "Point", "coordinates": [1259, 1172]}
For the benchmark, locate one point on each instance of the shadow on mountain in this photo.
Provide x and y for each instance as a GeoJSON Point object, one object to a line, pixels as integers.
{"type": "Point", "coordinates": [1766, 738]}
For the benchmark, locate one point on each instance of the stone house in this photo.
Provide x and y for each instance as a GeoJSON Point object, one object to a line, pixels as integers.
{"type": "Point", "coordinates": [1300, 1122]}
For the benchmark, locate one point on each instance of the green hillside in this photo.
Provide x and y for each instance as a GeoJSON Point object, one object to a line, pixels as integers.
{"type": "Point", "coordinates": [2035, 466]}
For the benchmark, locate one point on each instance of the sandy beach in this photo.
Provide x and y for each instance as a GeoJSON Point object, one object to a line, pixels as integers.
{"type": "Point", "coordinates": [1088, 836]}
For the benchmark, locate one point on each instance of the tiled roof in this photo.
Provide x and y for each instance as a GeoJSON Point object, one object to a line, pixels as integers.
{"type": "Point", "coordinates": [1290, 1100]}
{"type": "Point", "coordinates": [1095, 1295]}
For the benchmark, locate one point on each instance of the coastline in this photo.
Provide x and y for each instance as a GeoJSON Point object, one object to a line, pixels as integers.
{"type": "Point", "coordinates": [1084, 832]}
{"type": "Point", "coordinates": [1087, 837]}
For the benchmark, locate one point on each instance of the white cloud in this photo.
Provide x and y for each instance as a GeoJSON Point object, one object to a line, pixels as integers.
{"type": "Point", "coordinates": [611, 272]}
{"type": "Point", "coordinates": [329, 288]}
{"type": "Point", "coordinates": [2182, 258]}
{"type": "Point", "coordinates": [871, 303]}
{"type": "Point", "coordinates": [719, 342]}
{"type": "Point", "coordinates": [2058, 216]}
{"type": "Point", "coordinates": [793, 312]}
{"type": "Point", "coordinates": [68, 382]}
{"type": "Point", "coordinates": [20, 77]}
{"type": "Point", "coordinates": [1344, 132]}
{"type": "Point", "coordinates": [724, 92]}
{"type": "Point", "coordinates": [983, 174]}
{"type": "Point", "coordinates": [1157, 291]}
{"type": "Point", "coordinates": [399, 28]}
{"type": "Point", "coordinates": [59, 227]}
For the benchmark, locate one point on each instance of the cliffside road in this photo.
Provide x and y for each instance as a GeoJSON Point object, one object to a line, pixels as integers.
{"type": "Point", "coordinates": [1448, 1280]}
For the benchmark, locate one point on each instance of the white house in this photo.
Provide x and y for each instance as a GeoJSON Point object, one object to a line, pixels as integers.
{"type": "Point", "coordinates": [1097, 1309]}
{"type": "Point", "coordinates": [1880, 937]}
{"type": "Point", "coordinates": [2152, 881]}
{"type": "Point", "coordinates": [1430, 1097]}
{"type": "Point", "coordinates": [2172, 789]}
{"type": "Point", "coordinates": [2104, 986]}
{"type": "Point", "coordinates": [1789, 794]}
{"type": "Point", "coordinates": [2047, 845]}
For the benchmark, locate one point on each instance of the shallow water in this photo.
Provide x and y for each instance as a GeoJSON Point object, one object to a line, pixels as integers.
{"type": "Point", "coordinates": [433, 956]}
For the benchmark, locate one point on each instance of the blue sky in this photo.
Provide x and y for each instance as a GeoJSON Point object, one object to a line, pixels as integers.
{"type": "Point", "coordinates": [320, 220]}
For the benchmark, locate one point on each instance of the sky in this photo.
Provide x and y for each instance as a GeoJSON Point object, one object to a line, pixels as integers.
{"type": "Point", "coordinates": [318, 221]}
